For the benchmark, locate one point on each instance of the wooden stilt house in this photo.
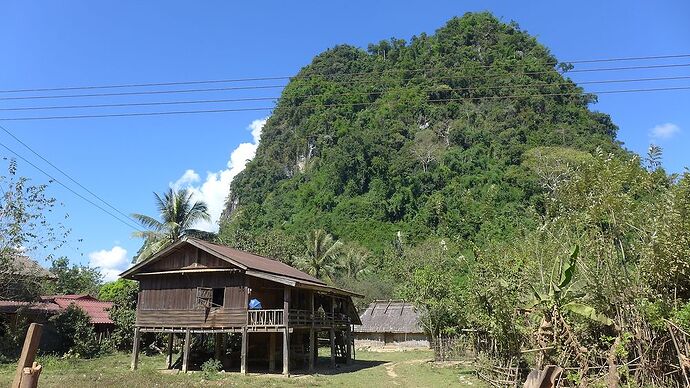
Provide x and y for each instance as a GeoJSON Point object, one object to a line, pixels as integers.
{"type": "Point", "coordinates": [197, 288]}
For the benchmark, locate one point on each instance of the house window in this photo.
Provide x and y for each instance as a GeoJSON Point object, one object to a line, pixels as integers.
{"type": "Point", "coordinates": [218, 297]}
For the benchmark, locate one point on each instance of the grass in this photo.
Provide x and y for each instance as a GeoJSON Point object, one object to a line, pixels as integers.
{"type": "Point", "coordinates": [387, 369]}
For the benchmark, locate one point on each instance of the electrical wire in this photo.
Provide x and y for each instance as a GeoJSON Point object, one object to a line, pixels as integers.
{"type": "Point", "coordinates": [67, 175]}
{"type": "Point", "coordinates": [274, 78]}
{"type": "Point", "coordinates": [149, 92]}
{"type": "Point", "coordinates": [269, 98]}
{"type": "Point", "coordinates": [339, 104]}
{"type": "Point", "coordinates": [67, 187]}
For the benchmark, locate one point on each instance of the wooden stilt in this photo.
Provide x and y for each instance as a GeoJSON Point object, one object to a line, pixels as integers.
{"type": "Point", "coordinates": [272, 353]}
{"type": "Point", "coordinates": [286, 332]}
{"type": "Point", "coordinates": [185, 353]}
{"type": "Point", "coordinates": [223, 347]}
{"type": "Point", "coordinates": [243, 353]}
{"type": "Point", "coordinates": [316, 346]}
{"type": "Point", "coordinates": [332, 348]}
{"type": "Point", "coordinates": [135, 349]}
{"type": "Point", "coordinates": [217, 346]}
{"type": "Point", "coordinates": [348, 346]}
{"type": "Point", "coordinates": [286, 352]}
{"type": "Point", "coordinates": [312, 350]}
{"type": "Point", "coordinates": [169, 358]}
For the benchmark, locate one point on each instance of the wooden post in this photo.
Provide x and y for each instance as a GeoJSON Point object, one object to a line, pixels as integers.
{"type": "Point", "coordinates": [223, 346]}
{"type": "Point", "coordinates": [135, 349]}
{"type": "Point", "coordinates": [348, 347]}
{"type": "Point", "coordinates": [313, 350]}
{"type": "Point", "coordinates": [286, 352]}
{"type": "Point", "coordinates": [169, 358]}
{"type": "Point", "coordinates": [26, 359]}
{"type": "Point", "coordinates": [217, 346]}
{"type": "Point", "coordinates": [30, 376]}
{"type": "Point", "coordinates": [332, 347]}
{"type": "Point", "coordinates": [286, 332]}
{"type": "Point", "coordinates": [185, 353]}
{"type": "Point", "coordinates": [243, 352]}
{"type": "Point", "coordinates": [272, 353]}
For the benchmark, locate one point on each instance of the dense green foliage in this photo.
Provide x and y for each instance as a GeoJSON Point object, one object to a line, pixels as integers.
{"type": "Point", "coordinates": [76, 336]}
{"type": "Point", "coordinates": [414, 137]}
{"type": "Point", "coordinates": [475, 181]}
{"type": "Point", "coordinates": [123, 293]}
{"type": "Point", "coordinates": [74, 279]}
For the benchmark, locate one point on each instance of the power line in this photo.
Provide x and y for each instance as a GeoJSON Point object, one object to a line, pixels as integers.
{"type": "Point", "coordinates": [149, 92]}
{"type": "Point", "coordinates": [143, 104]}
{"type": "Point", "coordinates": [273, 98]}
{"type": "Point", "coordinates": [67, 187]}
{"type": "Point", "coordinates": [67, 175]}
{"type": "Point", "coordinates": [339, 104]}
{"type": "Point", "coordinates": [274, 78]}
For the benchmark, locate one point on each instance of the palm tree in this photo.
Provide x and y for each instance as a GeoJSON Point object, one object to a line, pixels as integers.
{"type": "Point", "coordinates": [355, 262]}
{"type": "Point", "coordinates": [178, 215]}
{"type": "Point", "coordinates": [321, 257]}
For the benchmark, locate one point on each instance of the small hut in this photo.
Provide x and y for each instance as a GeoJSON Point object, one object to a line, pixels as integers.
{"type": "Point", "coordinates": [390, 324]}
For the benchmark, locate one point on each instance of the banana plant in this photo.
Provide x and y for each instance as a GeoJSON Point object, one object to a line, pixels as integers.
{"type": "Point", "coordinates": [564, 294]}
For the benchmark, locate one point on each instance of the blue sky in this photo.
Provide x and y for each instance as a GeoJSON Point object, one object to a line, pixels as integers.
{"type": "Point", "coordinates": [124, 160]}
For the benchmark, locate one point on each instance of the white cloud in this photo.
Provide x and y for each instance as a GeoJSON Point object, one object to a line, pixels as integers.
{"type": "Point", "coordinates": [110, 262]}
{"type": "Point", "coordinates": [664, 131]}
{"type": "Point", "coordinates": [214, 190]}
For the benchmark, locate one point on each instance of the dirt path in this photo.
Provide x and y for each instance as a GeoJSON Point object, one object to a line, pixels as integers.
{"type": "Point", "coordinates": [390, 367]}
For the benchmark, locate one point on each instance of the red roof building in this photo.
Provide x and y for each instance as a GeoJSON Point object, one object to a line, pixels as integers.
{"type": "Point", "coordinates": [96, 310]}
{"type": "Point", "coordinates": [54, 304]}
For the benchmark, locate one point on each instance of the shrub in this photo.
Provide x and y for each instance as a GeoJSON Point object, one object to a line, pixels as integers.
{"type": "Point", "coordinates": [75, 332]}
{"type": "Point", "coordinates": [123, 294]}
{"type": "Point", "coordinates": [210, 368]}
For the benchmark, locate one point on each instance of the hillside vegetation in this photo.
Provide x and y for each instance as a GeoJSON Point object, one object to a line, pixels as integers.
{"type": "Point", "coordinates": [415, 137]}
{"type": "Point", "coordinates": [464, 172]}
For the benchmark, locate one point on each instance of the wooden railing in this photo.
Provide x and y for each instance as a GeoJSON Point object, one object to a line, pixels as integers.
{"type": "Point", "coordinates": [296, 318]}
{"type": "Point", "coordinates": [265, 317]}
{"type": "Point", "coordinates": [305, 317]}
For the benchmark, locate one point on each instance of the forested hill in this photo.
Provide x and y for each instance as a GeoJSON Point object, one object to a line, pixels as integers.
{"type": "Point", "coordinates": [428, 137]}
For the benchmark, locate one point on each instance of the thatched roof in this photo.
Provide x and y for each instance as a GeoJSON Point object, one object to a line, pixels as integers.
{"type": "Point", "coordinates": [384, 316]}
{"type": "Point", "coordinates": [25, 266]}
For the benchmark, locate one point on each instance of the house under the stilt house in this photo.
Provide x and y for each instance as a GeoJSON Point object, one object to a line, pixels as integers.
{"type": "Point", "coordinates": [258, 311]}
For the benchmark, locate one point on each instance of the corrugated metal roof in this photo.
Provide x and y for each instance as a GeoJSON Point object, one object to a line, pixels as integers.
{"type": "Point", "coordinates": [256, 262]}
{"type": "Point", "coordinates": [96, 310]}
{"type": "Point", "coordinates": [11, 306]}
{"type": "Point", "coordinates": [390, 317]}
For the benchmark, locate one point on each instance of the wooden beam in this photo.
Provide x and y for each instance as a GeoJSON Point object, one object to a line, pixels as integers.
{"type": "Point", "coordinates": [135, 349]}
{"type": "Point", "coordinates": [185, 354]}
{"type": "Point", "coordinates": [313, 353]}
{"type": "Point", "coordinates": [243, 352]}
{"type": "Point", "coordinates": [286, 332]}
{"type": "Point", "coordinates": [313, 340]}
{"type": "Point", "coordinates": [26, 359]}
{"type": "Point", "coordinates": [286, 353]}
{"type": "Point", "coordinates": [348, 338]}
{"type": "Point", "coordinates": [272, 353]}
{"type": "Point", "coordinates": [332, 331]}
{"type": "Point", "coordinates": [169, 358]}
{"type": "Point", "coordinates": [217, 346]}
